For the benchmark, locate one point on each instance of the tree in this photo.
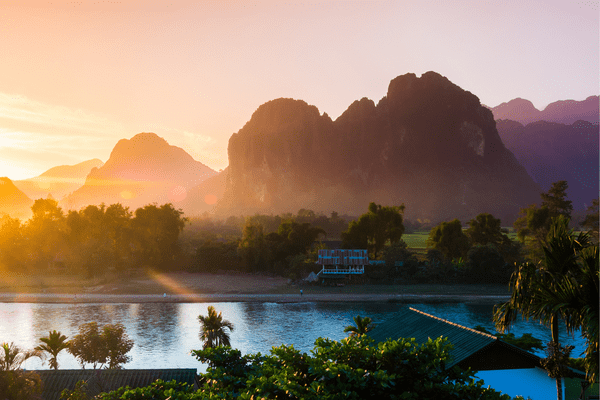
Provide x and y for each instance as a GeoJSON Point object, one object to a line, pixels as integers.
{"type": "Point", "coordinates": [253, 249]}
{"type": "Point", "coordinates": [20, 385]}
{"type": "Point", "coordinates": [591, 220]}
{"type": "Point", "coordinates": [485, 229]}
{"type": "Point", "coordinates": [530, 283]}
{"type": "Point", "coordinates": [449, 238]}
{"type": "Point", "coordinates": [53, 344]}
{"type": "Point", "coordinates": [117, 345]}
{"type": "Point", "coordinates": [375, 228]}
{"type": "Point", "coordinates": [575, 295]}
{"type": "Point", "coordinates": [12, 356]}
{"type": "Point", "coordinates": [353, 368]}
{"type": "Point", "coordinates": [92, 346]}
{"type": "Point", "coordinates": [555, 199]}
{"type": "Point", "coordinates": [363, 325]}
{"type": "Point", "coordinates": [156, 231]}
{"type": "Point", "coordinates": [535, 221]}
{"type": "Point", "coordinates": [212, 329]}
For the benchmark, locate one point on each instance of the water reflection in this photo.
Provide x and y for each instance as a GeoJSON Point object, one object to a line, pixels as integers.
{"type": "Point", "coordinates": [165, 333]}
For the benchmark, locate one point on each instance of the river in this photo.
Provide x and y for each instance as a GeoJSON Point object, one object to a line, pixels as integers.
{"type": "Point", "coordinates": [164, 333]}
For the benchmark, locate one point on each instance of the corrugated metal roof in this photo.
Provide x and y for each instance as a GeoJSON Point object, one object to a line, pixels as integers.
{"type": "Point", "coordinates": [54, 382]}
{"type": "Point", "coordinates": [412, 323]}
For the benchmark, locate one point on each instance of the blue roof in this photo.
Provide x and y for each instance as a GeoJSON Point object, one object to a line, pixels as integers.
{"type": "Point", "coordinates": [412, 323]}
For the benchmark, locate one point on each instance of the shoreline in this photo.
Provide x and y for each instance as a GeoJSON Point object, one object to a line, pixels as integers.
{"type": "Point", "coordinates": [86, 298]}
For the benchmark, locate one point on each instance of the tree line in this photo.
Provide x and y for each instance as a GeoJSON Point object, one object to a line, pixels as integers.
{"type": "Point", "coordinates": [93, 239]}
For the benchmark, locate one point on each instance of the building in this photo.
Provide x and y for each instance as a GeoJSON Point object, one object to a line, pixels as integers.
{"type": "Point", "coordinates": [104, 380]}
{"type": "Point", "coordinates": [502, 366]}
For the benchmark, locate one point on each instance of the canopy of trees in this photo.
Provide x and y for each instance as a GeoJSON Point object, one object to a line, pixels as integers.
{"type": "Point", "coordinates": [96, 238]}
{"type": "Point", "coordinates": [98, 347]}
{"type": "Point", "coordinates": [353, 368]}
{"type": "Point", "coordinates": [381, 224]}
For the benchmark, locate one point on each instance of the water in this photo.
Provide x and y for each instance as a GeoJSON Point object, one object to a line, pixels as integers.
{"type": "Point", "coordinates": [165, 333]}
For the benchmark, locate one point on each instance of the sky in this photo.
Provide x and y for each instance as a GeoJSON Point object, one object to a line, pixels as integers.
{"type": "Point", "coordinates": [77, 76]}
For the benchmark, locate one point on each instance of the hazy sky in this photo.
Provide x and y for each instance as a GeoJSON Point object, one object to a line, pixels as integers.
{"type": "Point", "coordinates": [77, 76]}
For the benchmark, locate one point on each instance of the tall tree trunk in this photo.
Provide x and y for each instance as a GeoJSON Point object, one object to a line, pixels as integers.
{"type": "Point", "coordinates": [554, 328]}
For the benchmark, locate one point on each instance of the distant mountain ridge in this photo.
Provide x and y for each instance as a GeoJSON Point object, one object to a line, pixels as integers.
{"type": "Point", "coordinates": [13, 201]}
{"type": "Point", "coordinates": [428, 144]}
{"type": "Point", "coordinates": [553, 151]}
{"type": "Point", "coordinates": [58, 181]}
{"type": "Point", "coordinates": [563, 111]}
{"type": "Point", "coordinates": [142, 170]}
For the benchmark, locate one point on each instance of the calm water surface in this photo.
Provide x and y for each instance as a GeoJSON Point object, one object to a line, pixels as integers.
{"type": "Point", "coordinates": [164, 333]}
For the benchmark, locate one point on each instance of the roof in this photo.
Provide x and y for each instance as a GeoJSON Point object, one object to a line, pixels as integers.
{"type": "Point", "coordinates": [104, 380]}
{"type": "Point", "coordinates": [412, 323]}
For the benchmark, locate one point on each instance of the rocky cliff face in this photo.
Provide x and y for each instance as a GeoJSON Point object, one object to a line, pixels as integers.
{"type": "Point", "coordinates": [427, 144]}
{"type": "Point", "coordinates": [141, 170]}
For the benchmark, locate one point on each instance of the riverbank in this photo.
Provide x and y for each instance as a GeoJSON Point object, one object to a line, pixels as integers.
{"type": "Point", "coordinates": [188, 288]}
{"type": "Point", "coordinates": [263, 298]}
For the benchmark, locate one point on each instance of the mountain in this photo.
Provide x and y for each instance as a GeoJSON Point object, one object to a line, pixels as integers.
{"type": "Point", "coordinates": [427, 144]}
{"type": "Point", "coordinates": [142, 170]}
{"type": "Point", "coordinates": [564, 111]}
{"type": "Point", "coordinates": [58, 181]}
{"type": "Point", "coordinates": [552, 151]}
{"type": "Point", "coordinates": [13, 201]}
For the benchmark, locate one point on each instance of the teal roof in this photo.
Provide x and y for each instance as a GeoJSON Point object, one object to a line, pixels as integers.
{"type": "Point", "coordinates": [104, 380]}
{"type": "Point", "coordinates": [412, 323]}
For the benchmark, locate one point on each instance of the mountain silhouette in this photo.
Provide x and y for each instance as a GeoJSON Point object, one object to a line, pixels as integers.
{"type": "Point", "coordinates": [13, 201]}
{"type": "Point", "coordinates": [428, 144]}
{"type": "Point", "coordinates": [142, 170]}
{"type": "Point", "coordinates": [563, 111]}
{"type": "Point", "coordinates": [552, 151]}
{"type": "Point", "coordinates": [58, 181]}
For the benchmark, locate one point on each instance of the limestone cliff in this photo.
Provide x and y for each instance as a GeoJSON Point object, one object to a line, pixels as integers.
{"type": "Point", "coordinates": [427, 144]}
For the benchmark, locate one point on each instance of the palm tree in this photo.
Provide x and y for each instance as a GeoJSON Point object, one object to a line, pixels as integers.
{"type": "Point", "coordinates": [363, 325]}
{"type": "Point", "coordinates": [530, 284]}
{"type": "Point", "coordinates": [212, 329]}
{"type": "Point", "coordinates": [576, 296]}
{"type": "Point", "coordinates": [53, 344]}
{"type": "Point", "coordinates": [12, 356]}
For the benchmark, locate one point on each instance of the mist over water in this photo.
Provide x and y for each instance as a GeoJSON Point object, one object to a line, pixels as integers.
{"type": "Point", "coordinates": [165, 333]}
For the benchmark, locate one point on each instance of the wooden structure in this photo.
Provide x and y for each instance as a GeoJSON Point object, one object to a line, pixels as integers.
{"type": "Point", "coordinates": [341, 263]}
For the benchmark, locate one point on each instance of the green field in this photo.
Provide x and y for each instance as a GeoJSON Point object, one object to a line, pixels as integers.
{"type": "Point", "coordinates": [417, 240]}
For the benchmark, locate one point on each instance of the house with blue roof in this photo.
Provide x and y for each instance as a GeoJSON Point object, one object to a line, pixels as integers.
{"type": "Point", "coordinates": [502, 366]}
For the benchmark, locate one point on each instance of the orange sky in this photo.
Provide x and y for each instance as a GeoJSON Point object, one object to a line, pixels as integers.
{"type": "Point", "coordinates": [77, 76]}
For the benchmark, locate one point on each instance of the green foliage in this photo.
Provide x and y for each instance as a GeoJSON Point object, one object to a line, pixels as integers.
{"type": "Point", "coordinates": [449, 239]}
{"type": "Point", "coordinates": [363, 325]}
{"type": "Point", "coordinates": [78, 393]}
{"type": "Point", "coordinates": [155, 231]}
{"type": "Point", "coordinates": [564, 285]}
{"type": "Point", "coordinates": [12, 356]}
{"type": "Point", "coordinates": [20, 385]}
{"type": "Point", "coordinates": [212, 329]}
{"type": "Point", "coordinates": [485, 264]}
{"type": "Point", "coordinates": [526, 342]}
{"type": "Point", "coordinates": [53, 344]}
{"type": "Point", "coordinates": [375, 228]}
{"type": "Point", "coordinates": [534, 222]}
{"type": "Point", "coordinates": [159, 390]}
{"type": "Point", "coordinates": [485, 229]}
{"type": "Point", "coordinates": [97, 347]}
{"type": "Point", "coordinates": [592, 221]}
{"type": "Point", "coordinates": [214, 256]}
{"type": "Point", "coordinates": [354, 368]}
